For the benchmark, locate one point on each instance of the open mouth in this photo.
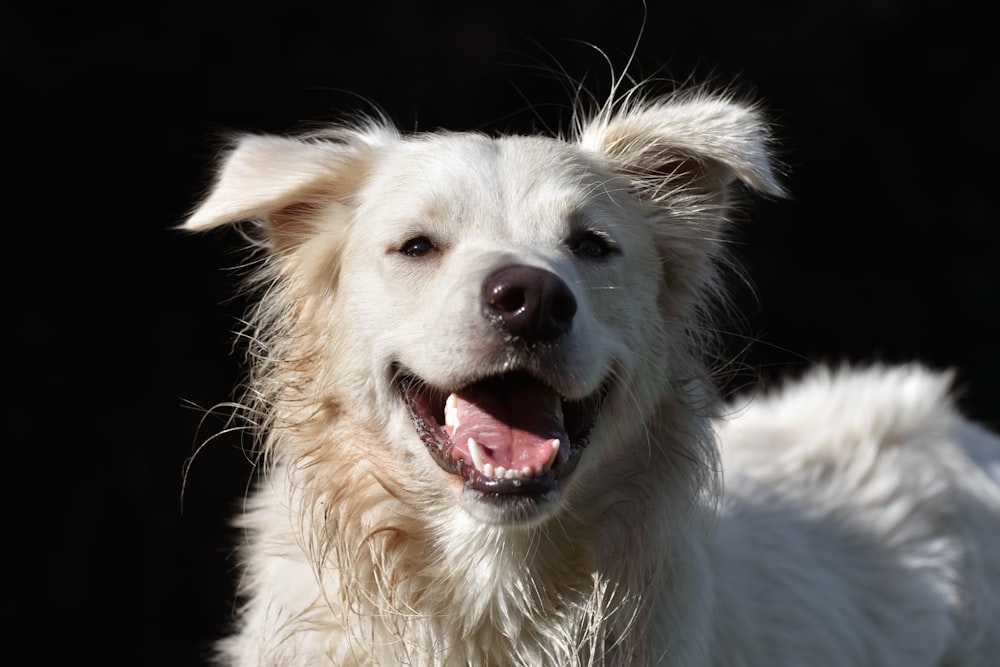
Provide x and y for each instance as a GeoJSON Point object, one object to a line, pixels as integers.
{"type": "Point", "coordinates": [506, 436]}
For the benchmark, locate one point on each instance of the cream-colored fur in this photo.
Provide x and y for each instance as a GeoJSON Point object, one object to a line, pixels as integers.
{"type": "Point", "coordinates": [860, 519]}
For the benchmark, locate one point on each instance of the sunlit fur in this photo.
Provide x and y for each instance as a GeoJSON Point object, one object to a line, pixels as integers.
{"type": "Point", "coordinates": [361, 551]}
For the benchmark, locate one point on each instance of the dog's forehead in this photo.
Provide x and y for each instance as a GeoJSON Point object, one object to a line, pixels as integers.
{"type": "Point", "coordinates": [505, 161]}
{"type": "Point", "coordinates": [484, 180]}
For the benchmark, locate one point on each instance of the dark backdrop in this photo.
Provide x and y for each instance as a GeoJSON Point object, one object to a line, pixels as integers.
{"type": "Point", "coordinates": [887, 249]}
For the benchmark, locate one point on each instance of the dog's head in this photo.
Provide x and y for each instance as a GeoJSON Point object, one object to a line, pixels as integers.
{"type": "Point", "coordinates": [503, 313]}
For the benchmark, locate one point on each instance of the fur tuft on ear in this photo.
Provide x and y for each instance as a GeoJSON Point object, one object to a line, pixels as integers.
{"type": "Point", "coordinates": [698, 141]}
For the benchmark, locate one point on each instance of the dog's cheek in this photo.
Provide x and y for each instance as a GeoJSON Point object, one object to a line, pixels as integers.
{"type": "Point", "coordinates": [437, 327]}
{"type": "Point", "coordinates": [642, 320]}
{"type": "Point", "coordinates": [630, 309]}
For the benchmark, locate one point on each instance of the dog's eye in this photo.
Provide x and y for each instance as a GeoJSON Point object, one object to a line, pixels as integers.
{"type": "Point", "coordinates": [591, 244]}
{"type": "Point", "coordinates": [418, 246]}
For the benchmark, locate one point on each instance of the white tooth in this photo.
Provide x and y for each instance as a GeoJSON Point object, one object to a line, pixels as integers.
{"type": "Point", "coordinates": [540, 470]}
{"type": "Point", "coordinates": [499, 472]}
{"type": "Point", "coordinates": [451, 414]}
{"type": "Point", "coordinates": [476, 454]}
{"type": "Point", "coordinates": [526, 471]}
{"type": "Point", "coordinates": [509, 474]}
{"type": "Point", "coordinates": [552, 454]}
{"type": "Point", "coordinates": [488, 470]}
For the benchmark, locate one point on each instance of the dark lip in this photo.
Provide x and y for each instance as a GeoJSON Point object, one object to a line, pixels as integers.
{"type": "Point", "coordinates": [426, 406]}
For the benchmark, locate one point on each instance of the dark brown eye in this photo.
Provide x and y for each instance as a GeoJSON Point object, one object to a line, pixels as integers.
{"type": "Point", "coordinates": [418, 246]}
{"type": "Point", "coordinates": [592, 245]}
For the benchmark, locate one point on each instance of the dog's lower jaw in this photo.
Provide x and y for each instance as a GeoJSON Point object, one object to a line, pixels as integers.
{"type": "Point", "coordinates": [510, 509]}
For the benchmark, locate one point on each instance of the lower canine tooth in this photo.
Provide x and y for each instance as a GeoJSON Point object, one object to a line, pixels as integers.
{"type": "Point", "coordinates": [451, 414]}
{"type": "Point", "coordinates": [476, 454]}
{"type": "Point", "coordinates": [552, 455]}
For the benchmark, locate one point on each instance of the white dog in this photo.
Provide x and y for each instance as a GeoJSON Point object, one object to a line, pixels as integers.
{"type": "Point", "coordinates": [478, 379]}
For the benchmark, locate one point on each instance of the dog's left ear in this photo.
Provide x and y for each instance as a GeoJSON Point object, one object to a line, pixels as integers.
{"type": "Point", "coordinates": [684, 155]}
{"type": "Point", "coordinates": [698, 144]}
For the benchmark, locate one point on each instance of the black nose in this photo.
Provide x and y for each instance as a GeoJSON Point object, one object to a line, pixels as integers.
{"type": "Point", "coordinates": [527, 302]}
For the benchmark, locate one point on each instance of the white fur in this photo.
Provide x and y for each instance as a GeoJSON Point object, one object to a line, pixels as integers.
{"type": "Point", "coordinates": [860, 520]}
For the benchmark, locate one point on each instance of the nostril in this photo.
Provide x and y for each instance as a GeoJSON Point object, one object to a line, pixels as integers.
{"type": "Point", "coordinates": [528, 302]}
{"type": "Point", "coordinates": [507, 299]}
{"type": "Point", "coordinates": [563, 305]}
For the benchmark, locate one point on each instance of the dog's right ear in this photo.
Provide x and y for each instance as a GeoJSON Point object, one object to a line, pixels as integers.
{"type": "Point", "coordinates": [281, 182]}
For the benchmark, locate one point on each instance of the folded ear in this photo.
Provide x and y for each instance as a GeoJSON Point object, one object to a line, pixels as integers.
{"type": "Point", "coordinates": [683, 155]}
{"type": "Point", "coordinates": [283, 181]}
{"type": "Point", "coordinates": [698, 144]}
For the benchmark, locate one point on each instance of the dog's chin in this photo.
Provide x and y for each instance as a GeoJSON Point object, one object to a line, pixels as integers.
{"type": "Point", "coordinates": [511, 509]}
{"type": "Point", "coordinates": [511, 440]}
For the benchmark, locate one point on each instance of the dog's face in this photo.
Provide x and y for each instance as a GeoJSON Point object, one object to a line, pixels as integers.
{"type": "Point", "coordinates": [502, 311]}
{"type": "Point", "coordinates": [506, 279]}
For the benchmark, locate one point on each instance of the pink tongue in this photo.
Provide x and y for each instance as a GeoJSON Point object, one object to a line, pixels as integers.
{"type": "Point", "coordinates": [514, 429]}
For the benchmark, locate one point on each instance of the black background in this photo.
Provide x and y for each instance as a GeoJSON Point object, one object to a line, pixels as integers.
{"type": "Point", "coordinates": [887, 115]}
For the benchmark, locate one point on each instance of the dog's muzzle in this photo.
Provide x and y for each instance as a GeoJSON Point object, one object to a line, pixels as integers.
{"type": "Point", "coordinates": [511, 436]}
